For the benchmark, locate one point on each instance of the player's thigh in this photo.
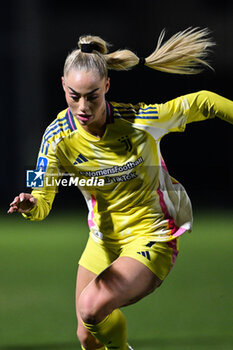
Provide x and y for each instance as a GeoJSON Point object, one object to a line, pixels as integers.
{"type": "Point", "coordinates": [125, 281]}
{"type": "Point", "coordinates": [84, 277]}
{"type": "Point", "coordinates": [142, 266]}
{"type": "Point", "coordinates": [95, 258]}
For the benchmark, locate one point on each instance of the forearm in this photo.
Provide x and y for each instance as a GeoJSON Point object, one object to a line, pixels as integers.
{"type": "Point", "coordinates": [206, 105]}
{"type": "Point", "coordinates": [43, 206]}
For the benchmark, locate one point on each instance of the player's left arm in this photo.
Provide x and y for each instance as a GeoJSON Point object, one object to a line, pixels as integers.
{"type": "Point", "coordinates": [207, 105]}
{"type": "Point", "coordinates": [173, 115]}
{"type": "Point", "coordinates": [202, 105]}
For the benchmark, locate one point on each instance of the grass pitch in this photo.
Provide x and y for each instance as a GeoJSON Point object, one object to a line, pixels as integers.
{"type": "Point", "coordinates": [38, 263]}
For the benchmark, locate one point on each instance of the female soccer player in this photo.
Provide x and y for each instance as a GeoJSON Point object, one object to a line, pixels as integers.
{"type": "Point", "coordinates": [136, 210]}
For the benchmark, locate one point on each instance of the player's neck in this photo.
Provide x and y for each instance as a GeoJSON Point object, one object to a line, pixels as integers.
{"type": "Point", "coordinates": [95, 131]}
{"type": "Point", "coordinates": [98, 126]}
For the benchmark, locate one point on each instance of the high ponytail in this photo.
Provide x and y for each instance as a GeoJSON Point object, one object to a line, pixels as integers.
{"type": "Point", "coordinates": [99, 44]}
{"type": "Point", "coordinates": [184, 53]}
{"type": "Point", "coordinates": [92, 59]}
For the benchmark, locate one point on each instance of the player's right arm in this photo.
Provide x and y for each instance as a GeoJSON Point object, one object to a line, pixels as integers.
{"type": "Point", "coordinates": [33, 206]}
{"type": "Point", "coordinates": [37, 205]}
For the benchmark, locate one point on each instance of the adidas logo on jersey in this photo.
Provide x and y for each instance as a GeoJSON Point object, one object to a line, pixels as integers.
{"type": "Point", "coordinates": [80, 159]}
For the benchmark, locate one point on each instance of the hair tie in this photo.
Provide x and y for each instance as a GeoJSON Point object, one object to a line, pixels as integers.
{"type": "Point", "coordinates": [88, 48]}
{"type": "Point", "coordinates": [142, 61]}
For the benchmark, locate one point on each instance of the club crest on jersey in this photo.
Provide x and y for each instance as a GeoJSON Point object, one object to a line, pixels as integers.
{"type": "Point", "coordinates": [80, 159]}
{"type": "Point", "coordinates": [126, 142]}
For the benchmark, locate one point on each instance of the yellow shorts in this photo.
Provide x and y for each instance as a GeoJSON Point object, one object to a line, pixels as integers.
{"type": "Point", "coordinates": [159, 257]}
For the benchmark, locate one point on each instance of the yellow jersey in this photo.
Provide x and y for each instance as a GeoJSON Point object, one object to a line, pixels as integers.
{"type": "Point", "coordinates": [122, 175]}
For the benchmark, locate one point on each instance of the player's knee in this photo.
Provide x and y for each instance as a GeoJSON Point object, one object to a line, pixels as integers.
{"type": "Point", "coordinates": [89, 308]}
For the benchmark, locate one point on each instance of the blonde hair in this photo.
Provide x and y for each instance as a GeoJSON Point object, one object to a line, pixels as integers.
{"type": "Point", "coordinates": [184, 53]}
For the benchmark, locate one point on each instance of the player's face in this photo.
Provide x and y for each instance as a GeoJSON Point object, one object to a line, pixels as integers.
{"type": "Point", "coordinates": [85, 95]}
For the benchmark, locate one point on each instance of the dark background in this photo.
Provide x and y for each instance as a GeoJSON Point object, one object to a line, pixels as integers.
{"type": "Point", "coordinates": [36, 37]}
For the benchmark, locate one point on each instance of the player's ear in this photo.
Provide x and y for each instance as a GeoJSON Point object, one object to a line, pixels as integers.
{"type": "Point", "coordinates": [63, 83]}
{"type": "Point", "coordinates": [107, 86]}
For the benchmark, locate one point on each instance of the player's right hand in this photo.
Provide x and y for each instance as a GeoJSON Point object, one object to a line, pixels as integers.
{"type": "Point", "coordinates": [22, 203]}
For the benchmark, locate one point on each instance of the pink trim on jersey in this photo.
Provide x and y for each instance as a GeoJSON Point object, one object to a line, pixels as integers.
{"type": "Point", "coordinates": [179, 232]}
{"type": "Point", "coordinates": [167, 216]}
{"type": "Point", "coordinates": [163, 165]}
{"type": "Point", "coordinates": [72, 125]}
{"type": "Point", "coordinates": [175, 230]}
{"type": "Point", "coordinates": [90, 221]}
